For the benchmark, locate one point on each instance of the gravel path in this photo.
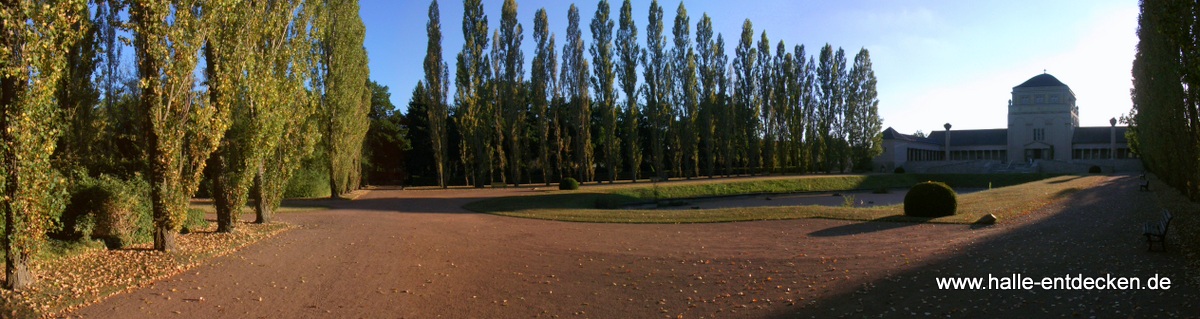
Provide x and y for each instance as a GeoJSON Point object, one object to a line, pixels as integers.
{"type": "Point", "coordinates": [416, 254]}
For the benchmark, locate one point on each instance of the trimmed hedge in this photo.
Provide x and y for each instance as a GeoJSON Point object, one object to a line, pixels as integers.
{"type": "Point", "coordinates": [1094, 170]}
{"type": "Point", "coordinates": [898, 170]}
{"type": "Point", "coordinates": [568, 184]}
{"type": "Point", "coordinates": [930, 199]}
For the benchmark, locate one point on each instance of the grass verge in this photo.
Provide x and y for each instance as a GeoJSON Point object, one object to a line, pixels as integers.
{"type": "Point", "coordinates": [72, 276]}
{"type": "Point", "coordinates": [821, 183]}
{"type": "Point", "coordinates": [1005, 202]}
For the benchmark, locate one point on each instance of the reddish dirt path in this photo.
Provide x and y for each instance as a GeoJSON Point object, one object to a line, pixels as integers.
{"type": "Point", "coordinates": [416, 254]}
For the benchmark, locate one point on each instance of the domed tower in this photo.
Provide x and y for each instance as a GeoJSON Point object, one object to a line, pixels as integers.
{"type": "Point", "coordinates": [1042, 118]}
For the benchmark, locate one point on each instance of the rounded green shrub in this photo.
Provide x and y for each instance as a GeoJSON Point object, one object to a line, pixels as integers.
{"type": "Point", "coordinates": [1094, 170]}
{"type": "Point", "coordinates": [898, 170]}
{"type": "Point", "coordinates": [930, 199]}
{"type": "Point", "coordinates": [110, 209]}
{"type": "Point", "coordinates": [568, 184]}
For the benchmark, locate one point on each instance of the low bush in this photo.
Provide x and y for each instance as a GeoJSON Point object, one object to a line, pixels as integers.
{"type": "Point", "coordinates": [1094, 170]}
{"type": "Point", "coordinates": [848, 201]}
{"type": "Point", "coordinates": [309, 181]}
{"type": "Point", "coordinates": [110, 209]}
{"type": "Point", "coordinates": [898, 170]}
{"type": "Point", "coordinates": [195, 221]}
{"type": "Point", "coordinates": [568, 184]}
{"type": "Point", "coordinates": [930, 199]}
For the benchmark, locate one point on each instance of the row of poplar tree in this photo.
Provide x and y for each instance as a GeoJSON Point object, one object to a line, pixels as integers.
{"type": "Point", "coordinates": [238, 91]}
{"type": "Point", "coordinates": [1164, 124]}
{"type": "Point", "coordinates": [691, 113]}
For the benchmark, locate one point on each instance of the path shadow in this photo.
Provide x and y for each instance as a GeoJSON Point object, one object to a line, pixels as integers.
{"type": "Point", "coordinates": [1065, 180]}
{"type": "Point", "coordinates": [1094, 232]}
{"type": "Point", "coordinates": [878, 224]}
{"type": "Point", "coordinates": [407, 204]}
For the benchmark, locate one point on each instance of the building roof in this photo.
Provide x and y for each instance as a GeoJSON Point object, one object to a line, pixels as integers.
{"type": "Point", "coordinates": [1041, 80]}
{"type": "Point", "coordinates": [892, 134]}
{"type": "Point", "coordinates": [1098, 135]}
{"type": "Point", "coordinates": [997, 136]}
{"type": "Point", "coordinates": [958, 138]}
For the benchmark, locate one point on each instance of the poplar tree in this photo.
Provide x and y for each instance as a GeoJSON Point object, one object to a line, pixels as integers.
{"type": "Point", "coordinates": [1165, 118]}
{"type": "Point", "coordinates": [347, 98]}
{"type": "Point", "coordinates": [181, 131]}
{"type": "Point", "coordinates": [825, 110]}
{"type": "Point", "coordinates": [862, 109]}
{"type": "Point", "coordinates": [745, 90]}
{"type": "Point", "coordinates": [575, 84]}
{"type": "Point", "coordinates": [724, 111]}
{"type": "Point", "coordinates": [602, 83]}
{"type": "Point", "coordinates": [780, 105]}
{"type": "Point", "coordinates": [685, 94]}
{"type": "Point", "coordinates": [765, 98]}
{"type": "Point", "coordinates": [436, 84]}
{"type": "Point", "coordinates": [498, 162]}
{"type": "Point", "coordinates": [839, 149]}
{"type": "Point", "coordinates": [287, 107]}
{"type": "Point", "coordinates": [656, 70]}
{"type": "Point", "coordinates": [558, 143]}
{"type": "Point", "coordinates": [513, 105]}
{"type": "Point", "coordinates": [229, 75]}
{"type": "Point", "coordinates": [472, 72]}
{"type": "Point", "coordinates": [540, 91]}
{"type": "Point", "coordinates": [78, 96]}
{"type": "Point", "coordinates": [251, 64]}
{"type": "Point", "coordinates": [708, 73]}
{"type": "Point", "coordinates": [800, 94]}
{"type": "Point", "coordinates": [31, 68]}
{"type": "Point", "coordinates": [107, 21]}
{"type": "Point", "coordinates": [812, 116]}
{"type": "Point", "coordinates": [627, 51]}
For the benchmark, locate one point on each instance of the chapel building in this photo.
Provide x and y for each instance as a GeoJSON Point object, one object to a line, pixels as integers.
{"type": "Point", "coordinates": [1043, 135]}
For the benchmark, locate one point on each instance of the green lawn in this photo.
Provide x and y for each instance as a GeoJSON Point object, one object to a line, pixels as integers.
{"type": "Point", "coordinates": [1013, 195]}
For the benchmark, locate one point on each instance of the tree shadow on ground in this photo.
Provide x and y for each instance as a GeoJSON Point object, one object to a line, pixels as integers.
{"type": "Point", "coordinates": [420, 202]}
{"type": "Point", "coordinates": [1065, 180]}
{"type": "Point", "coordinates": [878, 224]}
{"type": "Point", "coordinates": [1094, 232]}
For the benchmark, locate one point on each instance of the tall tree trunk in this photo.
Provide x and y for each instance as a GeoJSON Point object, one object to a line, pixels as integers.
{"type": "Point", "coordinates": [220, 189]}
{"type": "Point", "coordinates": [16, 269]}
{"type": "Point", "coordinates": [334, 191]}
{"type": "Point", "coordinates": [16, 262]}
{"type": "Point", "coordinates": [226, 213]}
{"type": "Point", "coordinates": [164, 230]}
{"type": "Point", "coordinates": [160, 165]}
{"type": "Point", "coordinates": [262, 210]}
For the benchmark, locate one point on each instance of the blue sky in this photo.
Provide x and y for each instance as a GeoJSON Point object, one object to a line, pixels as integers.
{"type": "Point", "coordinates": [936, 61]}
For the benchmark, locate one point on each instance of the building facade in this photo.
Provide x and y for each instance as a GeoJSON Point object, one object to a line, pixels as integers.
{"type": "Point", "coordinates": [1043, 135]}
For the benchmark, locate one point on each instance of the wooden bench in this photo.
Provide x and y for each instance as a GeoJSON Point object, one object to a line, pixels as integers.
{"type": "Point", "coordinates": [1157, 231]}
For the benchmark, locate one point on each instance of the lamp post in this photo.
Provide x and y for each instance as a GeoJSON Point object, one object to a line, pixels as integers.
{"type": "Point", "coordinates": [947, 126]}
{"type": "Point", "coordinates": [1112, 139]}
